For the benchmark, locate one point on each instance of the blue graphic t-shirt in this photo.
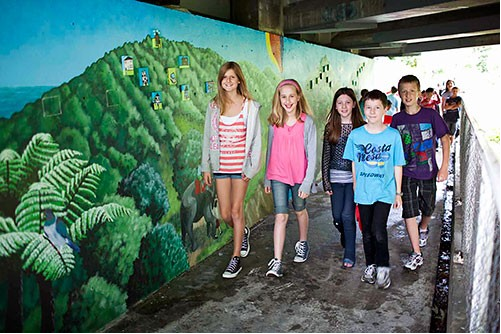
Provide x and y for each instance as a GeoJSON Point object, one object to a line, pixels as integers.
{"type": "Point", "coordinates": [419, 133]}
{"type": "Point", "coordinates": [375, 157]}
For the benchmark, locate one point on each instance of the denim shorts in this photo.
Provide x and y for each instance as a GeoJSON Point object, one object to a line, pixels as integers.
{"type": "Point", "coordinates": [280, 193]}
{"type": "Point", "coordinates": [227, 176]}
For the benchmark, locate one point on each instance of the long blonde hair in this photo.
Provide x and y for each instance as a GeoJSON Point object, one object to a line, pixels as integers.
{"type": "Point", "coordinates": [221, 99]}
{"type": "Point", "coordinates": [277, 116]}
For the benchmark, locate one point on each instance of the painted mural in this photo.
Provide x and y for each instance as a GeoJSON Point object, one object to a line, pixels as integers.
{"type": "Point", "coordinates": [101, 119]}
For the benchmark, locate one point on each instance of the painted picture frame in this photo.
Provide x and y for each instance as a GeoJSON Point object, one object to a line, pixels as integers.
{"type": "Point", "coordinates": [144, 77]}
{"type": "Point", "coordinates": [156, 100]}
{"type": "Point", "coordinates": [183, 61]}
{"type": "Point", "coordinates": [156, 41]}
{"type": "Point", "coordinates": [210, 87]}
{"type": "Point", "coordinates": [172, 76]}
{"type": "Point", "coordinates": [127, 65]}
{"type": "Point", "coordinates": [185, 92]}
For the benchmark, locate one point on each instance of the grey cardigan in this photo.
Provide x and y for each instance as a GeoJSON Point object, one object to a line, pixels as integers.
{"type": "Point", "coordinates": [310, 145]}
{"type": "Point", "coordinates": [211, 144]}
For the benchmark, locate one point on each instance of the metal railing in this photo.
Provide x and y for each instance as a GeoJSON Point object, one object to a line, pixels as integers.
{"type": "Point", "coordinates": [479, 199]}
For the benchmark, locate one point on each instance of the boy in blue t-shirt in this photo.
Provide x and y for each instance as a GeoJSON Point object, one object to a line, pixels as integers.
{"type": "Point", "coordinates": [377, 159]}
{"type": "Point", "coordinates": [419, 128]}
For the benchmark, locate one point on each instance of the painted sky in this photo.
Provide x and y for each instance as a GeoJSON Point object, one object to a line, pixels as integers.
{"type": "Point", "coordinates": [47, 43]}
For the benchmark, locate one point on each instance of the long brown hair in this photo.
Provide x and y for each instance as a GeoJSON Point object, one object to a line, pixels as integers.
{"type": "Point", "coordinates": [333, 126]}
{"type": "Point", "coordinates": [277, 111]}
{"type": "Point", "coordinates": [221, 98]}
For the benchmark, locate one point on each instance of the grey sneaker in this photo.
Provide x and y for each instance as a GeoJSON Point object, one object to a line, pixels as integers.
{"type": "Point", "coordinates": [369, 275]}
{"type": "Point", "coordinates": [383, 278]}
{"type": "Point", "coordinates": [423, 237]}
{"type": "Point", "coordinates": [275, 268]}
{"type": "Point", "coordinates": [415, 260]}
{"type": "Point", "coordinates": [244, 251]}
{"type": "Point", "coordinates": [233, 268]}
{"type": "Point", "coordinates": [302, 251]}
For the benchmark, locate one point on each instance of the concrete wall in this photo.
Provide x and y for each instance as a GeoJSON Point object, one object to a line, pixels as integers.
{"type": "Point", "coordinates": [81, 136]}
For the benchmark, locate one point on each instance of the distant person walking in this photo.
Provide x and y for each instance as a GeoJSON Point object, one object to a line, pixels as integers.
{"type": "Point", "coordinates": [290, 167]}
{"type": "Point", "coordinates": [452, 110]}
{"type": "Point", "coordinates": [446, 93]}
{"type": "Point", "coordinates": [232, 150]}
{"type": "Point", "coordinates": [395, 102]}
{"type": "Point", "coordinates": [337, 177]}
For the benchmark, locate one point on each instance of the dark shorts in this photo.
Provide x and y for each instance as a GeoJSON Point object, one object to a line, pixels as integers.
{"type": "Point", "coordinates": [419, 195]}
{"type": "Point", "coordinates": [227, 176]}
{"type": "Point", "coordinates": [451, 126]}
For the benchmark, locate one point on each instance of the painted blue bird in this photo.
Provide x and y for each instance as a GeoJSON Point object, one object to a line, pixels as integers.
{"type": "Point", "coordinates": [55, 230]}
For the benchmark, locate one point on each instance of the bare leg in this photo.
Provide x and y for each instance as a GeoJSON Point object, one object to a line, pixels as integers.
{"type": "Point", "coordinates": [279, 234]}
{"type": "Point", "coordinates": [413, 233]}
{"type": "Point", "coordinates": [425, 220]}
{"type": "Point", "coordinates": [223, 189]}
{"type": "Point", "coordinates": [238, 190]}
{"type": "Point", "coordinates": [303, 221]}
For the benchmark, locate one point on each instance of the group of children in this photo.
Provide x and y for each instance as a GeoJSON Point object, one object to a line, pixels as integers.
{"type": "Point", "coordinates": [364, 163]}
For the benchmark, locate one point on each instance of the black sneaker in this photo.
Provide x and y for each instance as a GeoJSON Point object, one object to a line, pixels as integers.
{"type": "Point", "coordinates": [233, 268]}
{"type": "Point", "coordinates": [302, 251]}
{"type": "Point", "coordinates": [244, 251]}
{"type": "Point", "coordinates": [275, 268]}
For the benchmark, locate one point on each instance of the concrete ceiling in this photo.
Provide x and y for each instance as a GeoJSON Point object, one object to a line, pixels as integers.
{"type": "Point", "coordinates": [369, 28]}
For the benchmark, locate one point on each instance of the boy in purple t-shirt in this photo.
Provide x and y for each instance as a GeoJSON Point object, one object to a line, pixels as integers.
{"type": "Point", "coordinates": [419, 128]}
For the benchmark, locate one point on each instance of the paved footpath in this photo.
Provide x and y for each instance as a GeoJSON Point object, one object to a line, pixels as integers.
{"type": "Point", "coordinates": [315, 296]}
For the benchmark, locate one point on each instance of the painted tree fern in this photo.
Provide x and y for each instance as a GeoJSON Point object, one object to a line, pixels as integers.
{"type": "Point", "coordinates": [45, 178]}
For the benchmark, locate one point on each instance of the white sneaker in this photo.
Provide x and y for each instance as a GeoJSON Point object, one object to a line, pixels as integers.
{"type": "Point", "coordinates": [383, 280]}
{"type": "Point", "coordinates": [415, 260]}
{"type": "Point", "coordinates": [423, 237]}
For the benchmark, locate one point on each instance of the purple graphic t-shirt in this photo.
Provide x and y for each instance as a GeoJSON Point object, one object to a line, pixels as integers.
{"type": "Point", "coordinates": [419, 133]}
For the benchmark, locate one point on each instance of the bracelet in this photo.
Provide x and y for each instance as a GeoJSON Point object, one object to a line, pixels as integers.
{"type": "Point", "coordinates": [400, 194]}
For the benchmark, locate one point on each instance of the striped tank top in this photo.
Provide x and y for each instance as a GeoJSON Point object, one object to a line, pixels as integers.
{"type": "Point", "coordinates": [232, 132]}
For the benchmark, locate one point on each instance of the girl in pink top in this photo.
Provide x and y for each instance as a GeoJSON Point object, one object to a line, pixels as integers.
{"type": "Point", "coordinates": [290, 166]}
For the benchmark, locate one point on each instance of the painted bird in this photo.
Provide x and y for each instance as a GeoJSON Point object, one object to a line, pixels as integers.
{"type": "Point", "coordinates": [55, 230]}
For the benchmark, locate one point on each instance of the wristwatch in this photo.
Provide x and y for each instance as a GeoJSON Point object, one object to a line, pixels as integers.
{"type": "Point", "coordinates": [400, 194]}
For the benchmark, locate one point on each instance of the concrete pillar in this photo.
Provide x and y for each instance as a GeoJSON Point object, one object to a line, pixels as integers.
{"type": "Point", "coordinates": [264, 15]}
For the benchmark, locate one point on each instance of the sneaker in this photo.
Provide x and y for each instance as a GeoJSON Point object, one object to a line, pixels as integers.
{"type": "Point", "coordinates": [383, 278]}
{"type": "Point", "coordinates": [423, 237]}
{"type": "Point", "coordinates": [369, 275]}
{"type": "Point", "coordinates": [244, 251]}
{"type": "Point", "coordinates": [415, 260]}
{"type": "Point", "coordinates": [233, 268]}
{"type": "Point", "coordinates": [275, 268]}
{"type": "Point", "coordinates": [302, 251]}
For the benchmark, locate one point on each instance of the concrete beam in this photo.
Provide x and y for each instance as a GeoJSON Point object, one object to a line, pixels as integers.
{"type": "Point", "coordinates": [416, 48]}
{"type": "Point", "coordinates": [431, 28]}
{"type": "Point", "coordinates": [311, 15]}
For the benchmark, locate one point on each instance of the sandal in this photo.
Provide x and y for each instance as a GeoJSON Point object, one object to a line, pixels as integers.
{"type": "Point", "coordinates": [347, 264]}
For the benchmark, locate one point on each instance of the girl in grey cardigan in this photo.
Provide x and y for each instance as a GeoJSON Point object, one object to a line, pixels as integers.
{"type": "Point", "coordinates": [231, 152]}
{"type": "Point", "coordinates": [290, 167]}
